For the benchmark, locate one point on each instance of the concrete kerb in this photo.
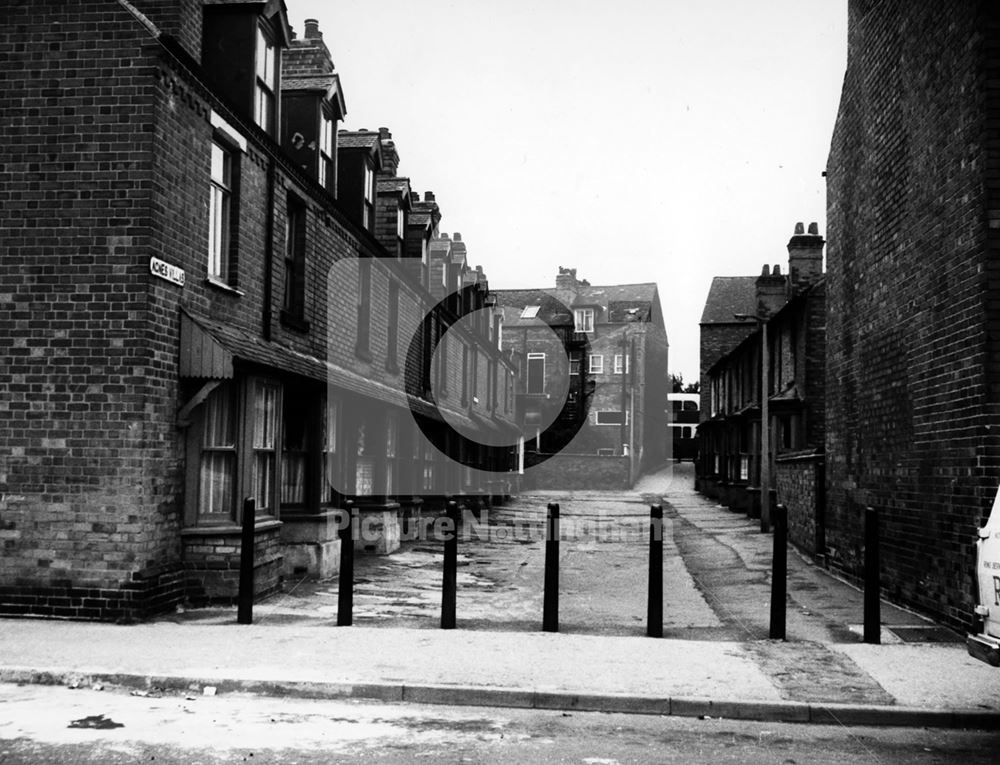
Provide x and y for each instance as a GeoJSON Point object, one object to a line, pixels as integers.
{"type": "Point", "coordinates": [522, 698]}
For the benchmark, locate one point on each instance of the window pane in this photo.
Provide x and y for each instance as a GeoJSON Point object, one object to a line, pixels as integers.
{"type": "Point", "coordinates": [269, 66]}
{"type": "Point", "coordinates": [536, 373]}
{"type": "Point", "coordinates": [216, 482]}
{"type": "Point", "coordinates": [263, 108]}
{"type": "Point", "coordinates": [220, 165]}
{"type": "Point", "coordinates": [365, 477]}
{"type": "Point", "coordinates": [218, 207]}
{"type": "Point", "coordinates": [265, 411]}
{"type": "Point", "coordinates": [263, 479]}
{"type": "Point", "coordinates": [293, 478]}
{"type": "Point", "coordinates": [265, 59]}
{"type": "Point", "coordinates": [331, 467]}
{"type": "Point", "coordinates": [390, 436]}
{"type": "Point", "coordinates": [219, 426]}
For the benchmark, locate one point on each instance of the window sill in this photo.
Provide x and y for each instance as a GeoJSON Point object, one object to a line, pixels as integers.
{"type": "Point", "coordinates": [263, 523]}
{"type": "Point", "coordinates": [218, 284]}
{"type": "Point", "coordinates": [294, 321]}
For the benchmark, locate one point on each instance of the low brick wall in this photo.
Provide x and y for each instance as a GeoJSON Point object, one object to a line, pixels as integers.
{"type": "Point", "coordinates": [576, 471]}
{"type": "Point", "coordinates": [799, 483]}
{"type": "Point", "coordinates": [147, 593]}
{"type": "Point", "coordinates": [212, 562]}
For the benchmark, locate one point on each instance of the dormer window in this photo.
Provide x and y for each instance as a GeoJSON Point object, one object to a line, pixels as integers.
{"type": "Point", "coordinates": [368, 216]}
{"type": "Point", "coordinates": [263, 109]}
{"type": "Point", "coordinates": [583, 320]}
{"type": "Point", "coordinates": [326, 174]}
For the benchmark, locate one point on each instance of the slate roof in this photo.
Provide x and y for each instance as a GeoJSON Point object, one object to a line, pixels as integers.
{"type": "Point", "coordinates": [730, 295]}
{"type": "Point", "coordinates": [350, 140]}
{"type": "Point", "coordinates": [322, 82]}
{"type": "Point", "coordinates": [399, 184]}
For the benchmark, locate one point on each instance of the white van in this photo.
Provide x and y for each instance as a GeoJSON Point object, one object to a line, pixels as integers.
{"type": "Point", "coordinates": [986, 645]}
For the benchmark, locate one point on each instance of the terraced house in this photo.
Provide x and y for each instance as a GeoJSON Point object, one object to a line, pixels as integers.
{"type": "Point", "coordinates": [593, 385]}
{"type": "Point", "coordinates": [209, 293]}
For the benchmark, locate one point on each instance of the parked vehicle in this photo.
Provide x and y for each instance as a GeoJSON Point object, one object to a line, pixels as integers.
{"type": "Point", "coordinates": [985, 644]}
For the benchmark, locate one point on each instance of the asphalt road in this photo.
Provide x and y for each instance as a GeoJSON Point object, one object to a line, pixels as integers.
{"type": "Point", "coordinates": [57, 725]}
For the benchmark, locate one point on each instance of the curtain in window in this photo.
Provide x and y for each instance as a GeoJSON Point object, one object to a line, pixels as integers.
{"type": "Point", "coordinates": [391, 435]}
{"type": "Point", "coordinates": [331, 466]}
{"type": "Point", "coordinates": [294, 451]}
{"type": "Point", "coordinates": [265, 426]}
{"type": "Point", "coordinates": [218, 455]}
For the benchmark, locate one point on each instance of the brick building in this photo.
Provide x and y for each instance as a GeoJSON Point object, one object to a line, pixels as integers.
{"type": "Point", "coordinates": [720, 331]}
{"type": "Point", "coordinates": [729, 461]}
{"type": "Point", "coordinates": [913, 371]}
{"type": "Point", "coordinates": [207, 293]}
{"type": "Point", "coordinates": [594, 383]}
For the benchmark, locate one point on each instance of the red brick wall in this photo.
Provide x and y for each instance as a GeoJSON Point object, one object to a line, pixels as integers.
{"type": "Point", "coordinates": [911, 372]}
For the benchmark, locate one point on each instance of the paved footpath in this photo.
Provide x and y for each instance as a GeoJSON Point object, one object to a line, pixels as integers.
{"type": "Point", "coordinates": [823, 673]}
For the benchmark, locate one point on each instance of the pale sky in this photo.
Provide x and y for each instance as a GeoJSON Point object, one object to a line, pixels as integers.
{"type": "Point", "coordinates": [636, 141]}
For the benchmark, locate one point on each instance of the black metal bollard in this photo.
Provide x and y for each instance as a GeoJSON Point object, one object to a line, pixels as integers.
{"type": "Point", "coordinates": [550, 602]}
{"type": "Point", "coordinates": [779, 572]}
{"type": "Point", "coordinates": [873, 617]}
{"type": "Point", "coordinates": [654, 601]}
{"type": "Point", "coordinates": [345, 583]}
{"type": "Point", "coordinates": [449, 588]}
{"type": "Point", "coordinates": [244, 608]}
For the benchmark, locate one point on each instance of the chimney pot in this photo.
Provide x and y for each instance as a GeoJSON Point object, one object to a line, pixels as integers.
{"type": "Point", "coordinates": [384, 133]}
{"type": "Point", "coordinates": [814, 228]}
{"type": "Point", "coordinates": [415, 196]}
{"type": "Point", "coordinates": [799, 229]}
{"type": "Point", "coordinates": [312, 30]}
{"type": "Point", "coordinates": [766, 271]}
{"type": "Point", "coordinates": [429, 196]}
{"type": "Point", "coordinates": [776, 271]}
{"type": "Point", "coordinates": [457, 236]}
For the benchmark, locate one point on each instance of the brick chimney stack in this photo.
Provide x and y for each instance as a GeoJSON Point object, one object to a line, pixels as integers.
{"type": "Point", "coordinates": [390, 157]}
{"type": "Point", "coordinates": [312, 30]}
{"type": "Point", "coordinates": [566, 279]}
{"type": "Point", "coordinates": [805, 256]}
{"type": "Point", "coordinates": [459, 252]}
{"type": "Point", "coordinates": [307, 55]}
{"type": "Point", "coordinates": [772, 291]}
{"type": "Point", "coordinates": [181, 19]}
